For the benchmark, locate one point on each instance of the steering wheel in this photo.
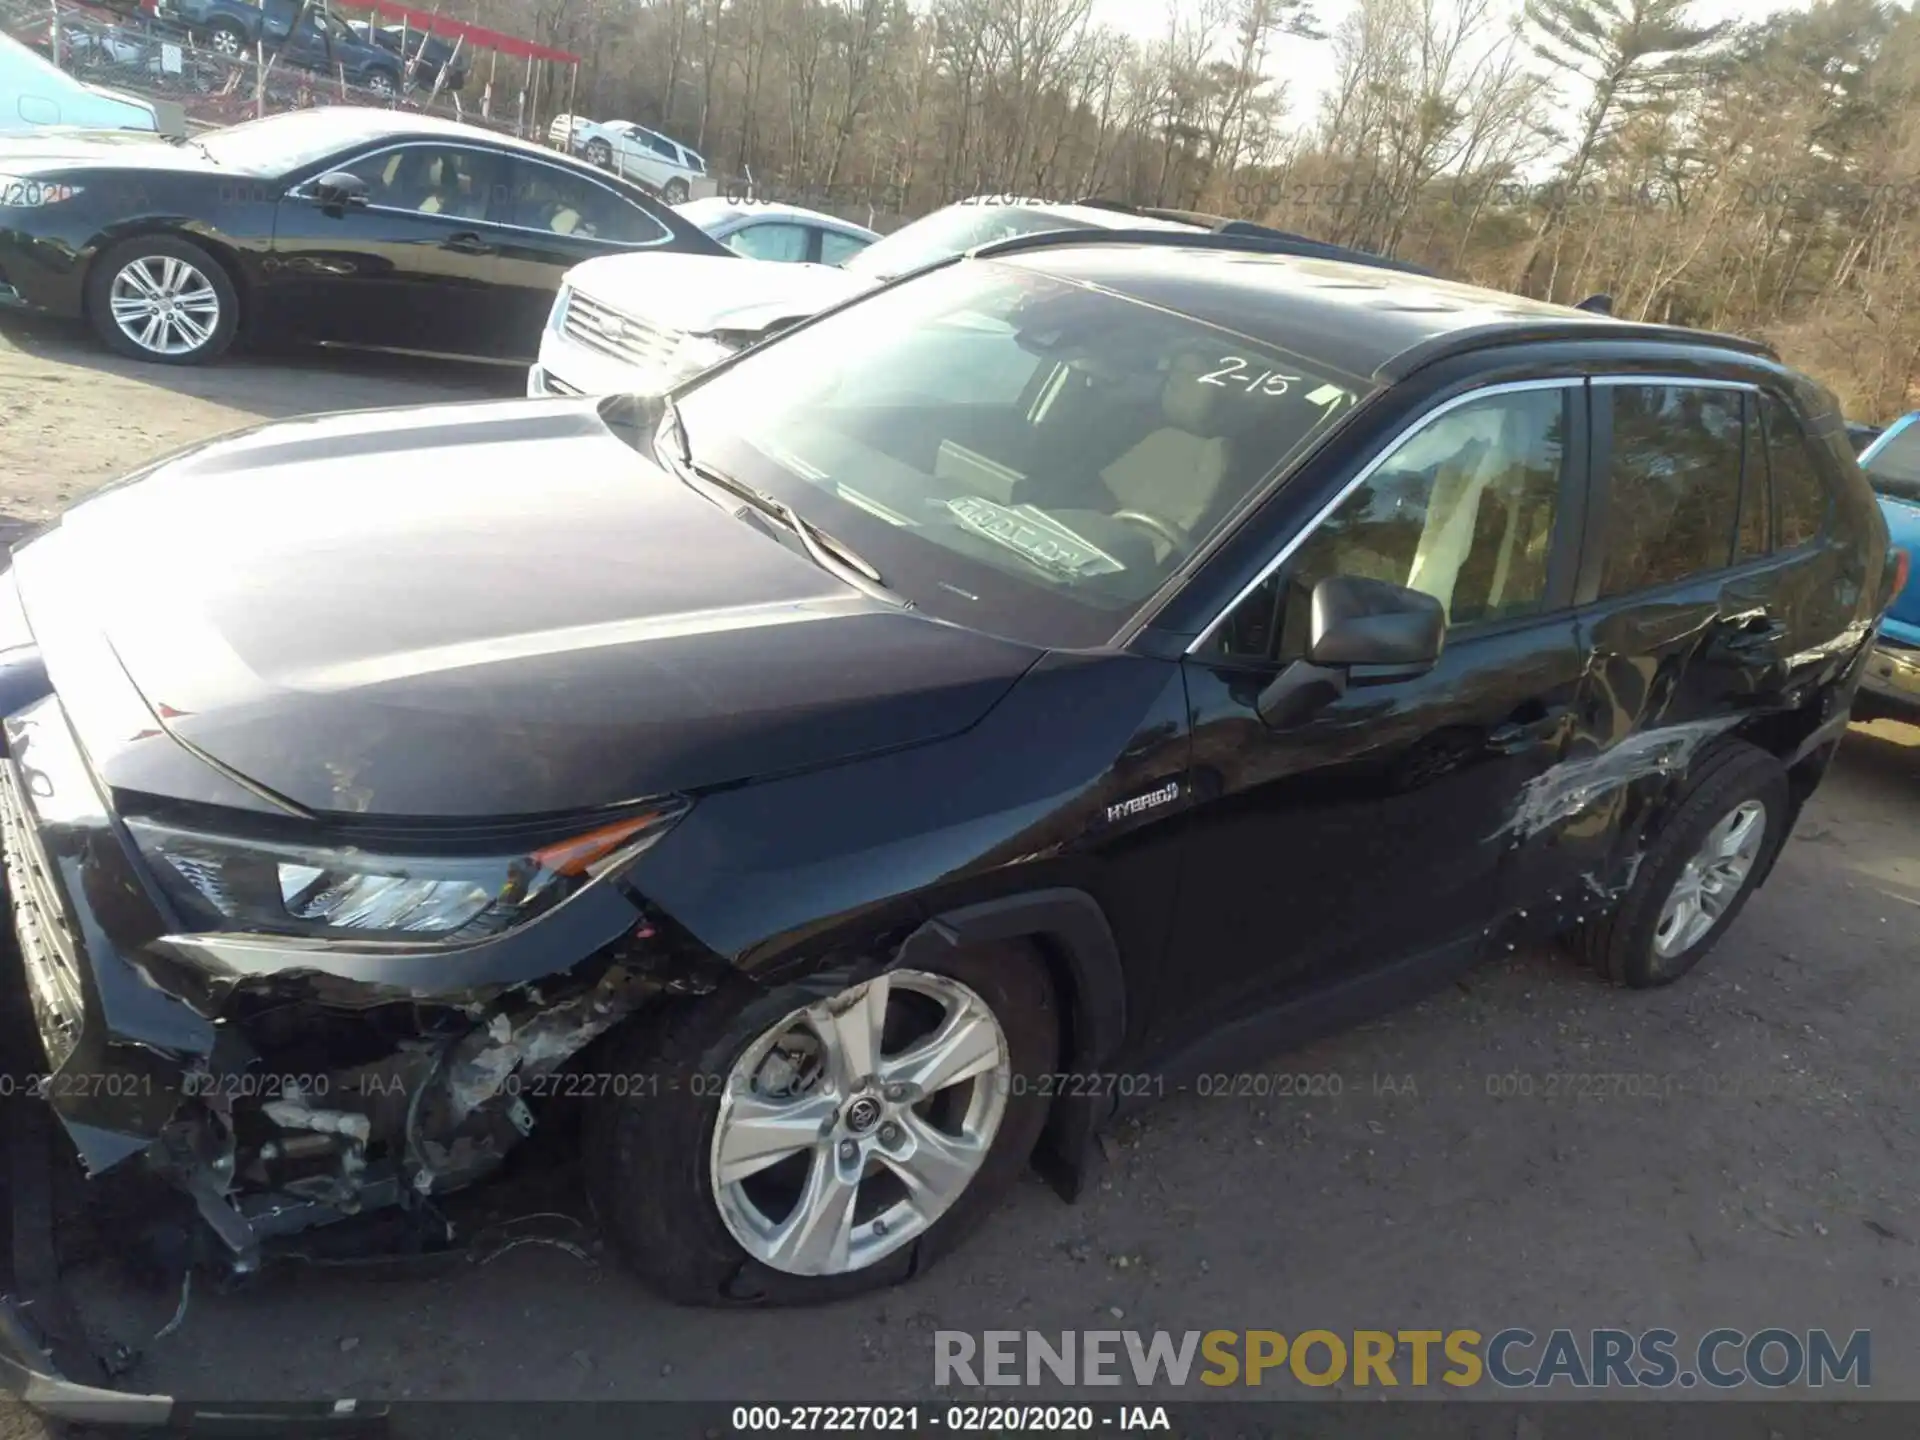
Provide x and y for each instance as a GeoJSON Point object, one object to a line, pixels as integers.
{"type": "Point", "coordinates": [1148, 522]}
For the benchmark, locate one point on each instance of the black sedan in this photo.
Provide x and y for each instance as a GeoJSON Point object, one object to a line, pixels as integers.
{"type": "Point", "coordinates": [336, 226]}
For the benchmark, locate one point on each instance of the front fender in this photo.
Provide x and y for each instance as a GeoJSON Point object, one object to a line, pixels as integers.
{"type": "Point", "coordinates": [1072, 931]}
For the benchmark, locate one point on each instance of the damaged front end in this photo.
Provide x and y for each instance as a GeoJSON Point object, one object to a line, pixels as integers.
{"type": "Point", "coordinates": [290, 1074]}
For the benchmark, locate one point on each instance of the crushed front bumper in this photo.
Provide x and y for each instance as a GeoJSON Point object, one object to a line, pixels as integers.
{"type": "Point", "coordinates": [282, 1085]}
{"type": "Point", "coordinates": [28, 1374]}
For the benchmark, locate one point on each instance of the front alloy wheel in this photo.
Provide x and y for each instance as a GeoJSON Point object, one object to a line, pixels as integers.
{"type": "Point", "coordinates": [165, 305]}
{"type": "Point", "coordinates": [851, 1126]}
{"type": "Point", "coordinates": [826, 1136]}
{"type": "Point", "coordinates": [159, 297]}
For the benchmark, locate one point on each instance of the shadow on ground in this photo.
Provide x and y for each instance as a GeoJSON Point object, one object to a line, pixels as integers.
{"type": "Point", "coordinates": [271, 382]}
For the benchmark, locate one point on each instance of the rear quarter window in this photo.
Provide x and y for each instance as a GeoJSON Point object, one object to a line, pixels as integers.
{"type": "Point", "coordinates": [1802, 497]}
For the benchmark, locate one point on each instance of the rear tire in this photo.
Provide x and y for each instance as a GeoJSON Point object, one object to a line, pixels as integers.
{"type": "Point", "coordinates": [225, 37]}
{"type": "Point", "coordinates": [658, 1160]}
{"type": "Point", "coordinates": [675, 191]}
{"type": "Point", "coordinates": [1712, 849]}
{"type": "Point", "coordinates": [164, 299]}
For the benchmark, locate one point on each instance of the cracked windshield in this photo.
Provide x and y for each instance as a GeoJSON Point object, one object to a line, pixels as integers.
{"type": "Point", "coordinates": [1013, 449]}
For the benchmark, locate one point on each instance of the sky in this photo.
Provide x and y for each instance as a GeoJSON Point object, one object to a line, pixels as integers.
{"type": "Point", "coordinates": [1304, 65]}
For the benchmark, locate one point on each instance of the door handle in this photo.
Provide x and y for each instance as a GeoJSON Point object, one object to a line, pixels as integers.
{"type": "Point", "coordinates": [467, 243]}
{"type": "Point", "coordinates": [1532, 725]}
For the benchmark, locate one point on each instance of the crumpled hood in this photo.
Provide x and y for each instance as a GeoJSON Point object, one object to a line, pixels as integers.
{"type": "Point", "coordinates": [702, 293]}
{"type": "Point", "coordinates": [475, 610]}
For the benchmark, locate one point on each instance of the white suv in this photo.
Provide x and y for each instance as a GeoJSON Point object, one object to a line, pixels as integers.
{"type": "Point", "coordinates": [633, 152]}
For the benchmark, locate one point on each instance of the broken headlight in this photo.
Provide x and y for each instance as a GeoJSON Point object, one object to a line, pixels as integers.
{"type": "Point", "coordinates": [269, 887]}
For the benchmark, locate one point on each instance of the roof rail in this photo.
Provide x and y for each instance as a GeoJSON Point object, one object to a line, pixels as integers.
{"type": "Point", "coordinates": [1253, 240]}
{"type": "Point", "coordinates": [1532, 331]}
{"type": "Point", "coordinates": [1223, 225]}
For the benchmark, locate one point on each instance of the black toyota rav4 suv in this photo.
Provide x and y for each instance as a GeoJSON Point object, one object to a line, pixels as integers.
{"type": "Point", "coordinates": [861, 772]}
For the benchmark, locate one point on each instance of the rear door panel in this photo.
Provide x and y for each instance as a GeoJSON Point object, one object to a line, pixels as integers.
{"type": "Point", "coordinates": [1670, 667]}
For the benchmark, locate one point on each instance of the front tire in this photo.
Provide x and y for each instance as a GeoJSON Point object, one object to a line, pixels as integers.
{"type": "Point", "coordinates": [600, 153]}
{"type": "Point", "coordinates": [161, 298]}
{"type": "Point", "coordinates": [827, 1138]}
{"type": "Point", "coordinates": [1704, 863]}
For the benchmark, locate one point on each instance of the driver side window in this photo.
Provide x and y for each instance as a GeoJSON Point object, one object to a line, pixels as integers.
{"type": "Point", "coordinates": [1463, 510]}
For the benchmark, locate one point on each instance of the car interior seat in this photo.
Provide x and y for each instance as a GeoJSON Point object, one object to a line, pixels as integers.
{"type": "Point", "coordinates": [1174, 473]}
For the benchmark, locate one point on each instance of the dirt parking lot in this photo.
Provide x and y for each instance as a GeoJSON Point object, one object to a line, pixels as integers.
{"type": "Point", "coordinates": [1751, 1163]}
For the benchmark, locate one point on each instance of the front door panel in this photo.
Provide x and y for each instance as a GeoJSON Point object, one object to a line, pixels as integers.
{"type": "Point", "coordinates": [1378, 829]}
{"type": "Point", "coordinates": [1388, 823]}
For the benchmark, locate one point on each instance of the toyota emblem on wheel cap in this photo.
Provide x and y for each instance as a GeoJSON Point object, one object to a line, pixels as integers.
{"type": "Point", "coordinates": [863, 1114]}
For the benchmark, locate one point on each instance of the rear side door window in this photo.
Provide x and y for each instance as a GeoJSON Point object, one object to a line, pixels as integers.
{"type": "Point", "coordinates": [837, 248]}
{"type": "Point", "coordinates": [1755, 536]}
{"type": "Point", "coordinates": [559, 202]}
{"type": "Point", "coordinates": [1673, 490]}
{"type": "Point", "coordinates": [1800, 495]}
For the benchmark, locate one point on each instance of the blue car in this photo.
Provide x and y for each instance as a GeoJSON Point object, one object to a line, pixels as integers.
{"type": "Point", "coordinates": [1891, 688]}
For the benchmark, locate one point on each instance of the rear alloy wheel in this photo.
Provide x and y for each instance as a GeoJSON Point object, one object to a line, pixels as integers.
{"type": "Point", "coordinates": [158, 297]}
{"type": "Point", "coordinates": [1711, 880]}
{"type": "Point", "coordinates": [1696, 873]}
{"type": "Point", "coordinates": [675, 191]}
{"type": "Point", "coordinates": [825, 1139]}
{"type": "Point", "coordinates": [381, 83]}
{"type": "Point", "coordinates": [600, 153]}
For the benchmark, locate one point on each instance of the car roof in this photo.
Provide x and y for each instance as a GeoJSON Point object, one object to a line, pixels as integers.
{"type": "Point", "coordinates": [367, 122]}
{"type": "Point", "coordinates": [1092, 217]}
{"type": "Point", "coordinates": [1368, 321]}
{"type": "Point", "coordinates": [716, 210]}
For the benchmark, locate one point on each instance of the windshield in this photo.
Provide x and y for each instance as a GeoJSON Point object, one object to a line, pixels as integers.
{"type": "Point", "coordinates": [1012, 451]}
{"type": "Point", "coordinates": [1895, 468]}
{"type": "Point", "coordinates": [280, 143]}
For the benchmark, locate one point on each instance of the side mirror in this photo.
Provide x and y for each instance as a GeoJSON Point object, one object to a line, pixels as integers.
{"type": "Point", "coordinates": [1363, 632]}
{"type": "Point", "coordinates": [339, 189]}
{"type": "Point", "coordinates": [1373, 626]}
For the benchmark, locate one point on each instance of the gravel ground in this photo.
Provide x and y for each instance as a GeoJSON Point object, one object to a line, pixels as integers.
{"type": "Point", "coordinates": [1768, 1180]}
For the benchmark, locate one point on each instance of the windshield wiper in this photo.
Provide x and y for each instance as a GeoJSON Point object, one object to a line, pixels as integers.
{"type": "Point", "coordinates": [827, 551]}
